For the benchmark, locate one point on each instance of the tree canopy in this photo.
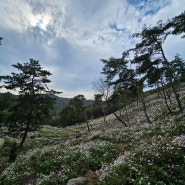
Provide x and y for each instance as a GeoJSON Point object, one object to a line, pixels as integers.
{"type": "Point", "coordinates": [146, 64]}
{"type": "Point", "coordinates": [32, 107]}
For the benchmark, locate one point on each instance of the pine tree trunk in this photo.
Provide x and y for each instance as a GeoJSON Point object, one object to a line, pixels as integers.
{"type": "Point", "coordinates": [177, 98]}
{"type": "Point", "coordinates": [138, 96]}
{"type": "Point", "coordinates": [144, 107]}
{"type": "Point", "coordinates": [159, 92]}
{"type": "Point", "coordinates": [165, 98]}
{"type": "Point", "coordinates": [145, 111]}
{"type": "Point", "coordinates": [104, 113]}
{"type": "Point", "coordinates": [119, 119]}
{"type": "Point", "coordinates": [24, 137]}
{"type": "Point", "coordinates": [168, 93]}
{"type": "Point", "coordinates": [131, 104]}
{"type": "Point", "coordinates": [86, 120]}
{"type": "Point", "coordinates": [127, 114]}
{"type": "Point", "coordinates": [178, 87]}
{"type": "Point", "coordinates": [88, 126]}
{"type": "Point", "coordinates": [170, 78]}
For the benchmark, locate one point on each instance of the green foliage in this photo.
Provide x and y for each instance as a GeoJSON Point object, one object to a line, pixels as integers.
{"type": "Point", "coordinates": [5, 151]}
{"type": "Point", "coordinates": [178, 69]}
{"type": "Point", "coordinates": [154, 158]}
{"type": "Point", "coordinates": [167, 167]}
{"type": "Point", "coordinates": [98, 105]}
{"type": "Point", "coordinates": [158, 162]}
{"type": "Point", "coordinates": [30, 108]}
{"type": "Point", "coordinates": [69, 116]}
{"type": "Point", "coordinates": [118, 73]}
{"type": "Point", "coordinates": [177, 23]}
{"type": "Point", "coordinates": [70, 161]}
{"type": "Point", "coordinates": [105, 154]}
{"type": "Point", "coordinates": [75, 112]}
{"type": "Point", "coordinates": [6, 100]}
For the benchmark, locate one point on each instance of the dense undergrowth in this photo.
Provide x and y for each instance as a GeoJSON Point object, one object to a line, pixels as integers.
{"type": "Point", "coordinates": [115, 155]}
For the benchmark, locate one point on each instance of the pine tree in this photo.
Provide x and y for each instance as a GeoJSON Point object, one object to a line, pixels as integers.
{"type": "Point", "coordinates": [32, 107]}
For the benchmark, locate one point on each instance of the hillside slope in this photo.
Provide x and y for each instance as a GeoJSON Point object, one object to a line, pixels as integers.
{"type": "Point", "coordinates": [111, 154]}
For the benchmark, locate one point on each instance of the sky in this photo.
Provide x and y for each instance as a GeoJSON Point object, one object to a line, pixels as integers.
{"type": "Point", "coordinates": [69, 37]}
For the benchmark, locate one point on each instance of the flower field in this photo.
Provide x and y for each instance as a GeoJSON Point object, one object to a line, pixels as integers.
{"type": "Point", "coordinates": [142, 153]}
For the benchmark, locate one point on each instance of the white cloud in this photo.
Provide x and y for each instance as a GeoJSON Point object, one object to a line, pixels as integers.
{"type": "Point", "coordinates": [173, 8]}
{"type": "Point", "coordinates": [17, 15]}
{"type": "Point", "coordinates": [69, 36]}
{"type": "Point", "coordinates": [88, 94]}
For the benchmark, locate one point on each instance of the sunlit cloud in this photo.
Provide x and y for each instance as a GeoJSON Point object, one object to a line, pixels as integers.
{"type": "Point", "coordinates": [70, 37]}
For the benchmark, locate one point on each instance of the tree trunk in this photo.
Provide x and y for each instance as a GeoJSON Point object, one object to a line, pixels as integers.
{"type": "Point", "coordinates": [158, 91]}
{"type": "Point", "coordinates": [165, 98]}
{"type": "Point", "coordinates": [144, 107]}
{"type": "Point", "coordinates": [170, 78]}
{"type": "Point", "coordinates": [127, 114]}
{"type": "Point", "coordinates": [86, 120]}
{"type": "Point", "coordinates": [145, 111]}
{"type": "Point", "coordinates": [104, 113]}
{"type": "Point", "coordinates": [177, 86]}
{"type": "Point", "coordinates": [88, 126]}
{"type": "Point", "coordinates": [119, 119]}
{"type": "Point", "coordinates": [177, 98]}
{"type": "Point", "coordinates": [130, 103]}
{"type": "Point", "coordinates": [169, 95]}
{"type": "Point", "coordinates": [104, 117]}
{"type": "Point", "coordinates": [24, 136]}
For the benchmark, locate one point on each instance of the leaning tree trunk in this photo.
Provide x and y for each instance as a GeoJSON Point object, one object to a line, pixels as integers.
{"type": "Point", "coordinates": [177, 86]}
{"type": "Point", "coordinates": [24, 136]}
{"type": "Point", "coordinates": [165, 98]}
{"type": "Point", "coordinates": [169, 96]}
{"type": "Point", "coordinates": [119, 119]}
{"type": "Point", "coordinates": [144, 107]}
{"type": "Point", "coordinates": [170, 78]}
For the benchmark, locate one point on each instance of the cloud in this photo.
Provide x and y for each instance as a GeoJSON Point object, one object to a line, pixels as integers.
{"type": "Point", "coordinates": [69, 37]}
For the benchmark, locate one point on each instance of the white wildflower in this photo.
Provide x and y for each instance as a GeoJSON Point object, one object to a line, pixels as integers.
{"type": "Point", "coordinates": [179, 140]}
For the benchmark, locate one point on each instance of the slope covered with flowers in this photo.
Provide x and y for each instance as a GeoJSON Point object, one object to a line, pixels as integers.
{"type": "Point", "coordinates": [111, 154]}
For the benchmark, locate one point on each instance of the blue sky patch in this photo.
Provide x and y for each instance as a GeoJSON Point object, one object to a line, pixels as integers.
{"type": "Point", "coordinates": [114, 26]}
{"type": "Point", "coordinates": [150, 7]}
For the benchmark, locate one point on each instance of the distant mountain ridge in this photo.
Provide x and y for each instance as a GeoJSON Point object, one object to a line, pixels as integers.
{"type": "Point", "coordinates": [60, 102]}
